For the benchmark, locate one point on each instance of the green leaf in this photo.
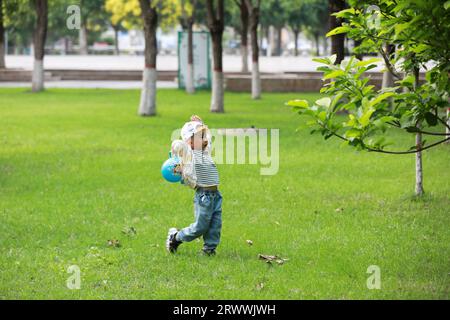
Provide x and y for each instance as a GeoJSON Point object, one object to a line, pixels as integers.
{"type": "Point", "coordinates": [366, 62]}
{"type": "Point", "coordinates": [298, 103]}
{"type": "Point", "coordinates": [324, 102]}
{"type": "Point", "coordinates": [322, 60]}
{"type": "Point", "coordinates": [352, 133]}
{"type": "Point", "coordinates": [431, 119]}
{"type": "Point", "coordinates": [345, 13]}
{"type": "Point", "coordinates": [381, 97]}
{"type": "Point", "coordinates": [447, 5]}
{"type": "Point", "coordinates": [338, 30]}
{"type": "Point", "coordinates": [334, 74]}
{"type": "Point", "coordinates": [400, 27]}
{"type": "Point", "coordinates": [420, 48]}
{"type": "Point", "coordinates": [364, 120]}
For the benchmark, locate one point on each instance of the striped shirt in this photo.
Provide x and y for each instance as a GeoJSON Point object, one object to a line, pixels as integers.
{"type": "Point", "coordinates": [205, 169]}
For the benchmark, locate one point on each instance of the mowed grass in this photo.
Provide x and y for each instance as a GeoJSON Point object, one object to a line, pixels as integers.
{"type": "Point", "coordinates": [79, 166]}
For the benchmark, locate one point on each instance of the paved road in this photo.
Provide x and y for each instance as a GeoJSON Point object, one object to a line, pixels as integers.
{"type": "Point", "coordinates": [91, 84]}
{"type": "Point", "coordinates": [231, 63]}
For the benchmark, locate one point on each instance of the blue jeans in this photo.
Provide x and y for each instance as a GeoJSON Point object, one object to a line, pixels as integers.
{"type": "Point", "coordinates": [208, 220]}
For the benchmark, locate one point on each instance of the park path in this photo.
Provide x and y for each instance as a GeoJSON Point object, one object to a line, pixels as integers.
{"type": "Point", "coordinates": [232, 63]}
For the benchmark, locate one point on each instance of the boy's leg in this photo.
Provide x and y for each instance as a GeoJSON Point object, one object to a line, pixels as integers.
{"type": "Point", "coordinates": [212, 237]}
{"type": "Point", "coordinates": [203, 213]}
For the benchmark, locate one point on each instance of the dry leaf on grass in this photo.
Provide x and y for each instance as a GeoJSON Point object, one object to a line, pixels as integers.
{"type": "Point", "coordinates": [269, 259]}
{"type": "Point", "coordinates": [129, 231]}
{"type": "Point", "coordinates": [114, 243]}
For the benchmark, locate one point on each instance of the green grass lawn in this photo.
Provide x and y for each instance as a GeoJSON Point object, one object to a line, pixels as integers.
{"type": "Point", "coordinates": [79, 166]}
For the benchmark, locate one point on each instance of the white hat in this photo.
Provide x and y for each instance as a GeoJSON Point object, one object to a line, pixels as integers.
{"type": "Point", "coordinates": [190, 128]}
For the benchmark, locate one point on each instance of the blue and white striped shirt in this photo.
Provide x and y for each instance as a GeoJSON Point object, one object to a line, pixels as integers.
{"type": "Point", "coordinates": [205, 169]}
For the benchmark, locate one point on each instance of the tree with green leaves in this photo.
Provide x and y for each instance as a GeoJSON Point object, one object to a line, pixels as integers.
{"type": "Point", "coordinates": [2, 38]}
{"type": "Point", "coordinates": [337, 39]}
{"type": "Point", "coordinates": [315, 16]}
{"type": "Point", "coordinates": [187, 20]}
{"type": "Point", "coordinates": [242, 28]}
{"type": "Point", "coordinates": [19, 20]}
{"type": "Point", "coordinates": [149, 13]}
{"type": "Point", "coordinates": [296, 18]}
{"type": "Point", "coordinates": [415, 107]}
{"type": "Point", "coordinates": [253, 8]}
{"type": "Point", "coordinates": [39, 37]}
{"type": "Point", "coordinates": [216, 18]}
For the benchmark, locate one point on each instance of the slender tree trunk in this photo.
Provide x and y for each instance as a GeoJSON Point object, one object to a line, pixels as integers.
{"type": "Point", "coordinates": [147, 106]}
{"type": "Point", "coordinates": [261, 39]}
{"type": "Point", "coordinates": [187, 23]}
{"type": "Point", "coordinates": [447, 130]}
{"type": "Point", "coordinates": [254, 13]}
{"type": "Point", "coordinates": [244, 35]}
{"type": "Point", "coordinates": [388, 78]}
{"type": "Point", "coordinates": [325, 46]}
{"type": "Point", "coordinates": [419, 169]}
{"type": "Point", "coordinates": [2, 38]}
{"type": "Point", "coordinates": [39, 36]}
{"type": "Point", "coordinates": [116, 40]}
{"type": "Point", "coordinates": [279, 36]}
{"type": "Point", "coordinates": [338, 40]}
{"type": "Point", "coordinates": [66, 45]}
{"type": "Point", "coordinates": [82, 39]}
{"type": "Point", "coordinates": [296, 32]}
{"type": "Point", "coordinates": [316, 40]}
{"type": "Point", "coordinates": [190, 87]}
{"type": "Point", "coordinates": [270, 41]}
{"type": "Point", "coordinates": [216, 27]}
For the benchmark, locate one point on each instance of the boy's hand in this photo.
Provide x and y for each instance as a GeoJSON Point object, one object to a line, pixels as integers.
{"type": "Point", "coordinates": [195, 117]}
{"type": "Point", "coordinates": [177, 169]}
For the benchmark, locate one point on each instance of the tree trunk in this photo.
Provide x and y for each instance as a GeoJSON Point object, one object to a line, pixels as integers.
{"type": "Point", "coordinates": [338, 40]}
{"type": "Point", "coordinates": [216, 27]}
{"type": "Point", "coordinates": [116, 40]}
{"type": "Point", "coordinates": [419, 169]}
{"type": "Point", "coordinates": [244, 35]}
{"type": "Point", "coordinates": [279, 34]}
{"type": "Point", "coordinates": [316, 40]}
{"type": "Point", "coordinates": [190, 87]}
{"type": "Point", "coordinates": [447, 129]}
{"type": "Point", "coordinates": [82, 39]}
{"type": "Point", "coordinates": [39, 36]}
{"type": "Point", "coordinates": [270, 41]}
{"type": "Point", "coordinates": [388, 78]}
{"type": "Point", "coordinates": [296, 32]}
{"type": "Point", "coordinates": [2, 38]}
{"type": "Point", "coordinates": [254, 13]}
{"type": "Point", "coordinates": [147, 106]}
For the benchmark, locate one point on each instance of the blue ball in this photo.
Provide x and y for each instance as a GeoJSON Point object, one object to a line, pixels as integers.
{"type": "Point", "coordinates": [167, 170]}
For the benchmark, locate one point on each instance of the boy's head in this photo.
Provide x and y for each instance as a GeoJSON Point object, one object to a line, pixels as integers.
{"type": "Point", "coordinates": [195, 134]}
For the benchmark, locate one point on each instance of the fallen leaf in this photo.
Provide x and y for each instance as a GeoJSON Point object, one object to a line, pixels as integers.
{"type": "Point", "coordinates": [114, 243]}
{"type": "Point", "coordinates": [129, 231]}
{"type": "Point", "coordinates": [269, 259]}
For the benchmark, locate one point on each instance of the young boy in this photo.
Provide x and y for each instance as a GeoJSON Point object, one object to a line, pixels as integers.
{"type": "Point", "coordinates": [207, 199]}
